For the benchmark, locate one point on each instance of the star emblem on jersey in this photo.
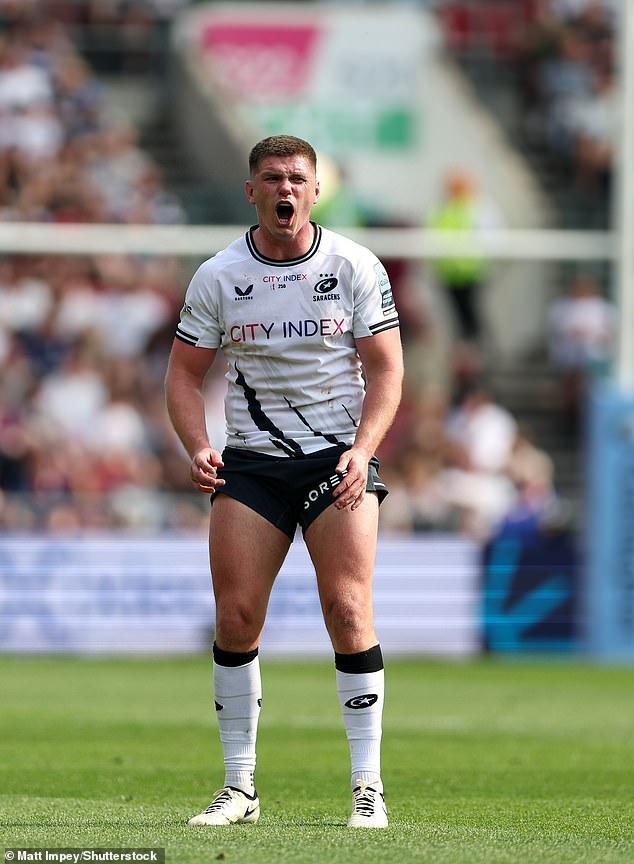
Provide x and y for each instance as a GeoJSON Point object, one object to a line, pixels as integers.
{"type": "Point", "coordinates": [364, 701]}
{"type": "Point", "coordinates": [328, 282]}
{"type": "Point", "coordinates": [243, 293]}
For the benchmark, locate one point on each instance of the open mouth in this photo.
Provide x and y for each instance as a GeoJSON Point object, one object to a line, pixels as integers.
{"type": "Point", "coordinates": [284, 211]}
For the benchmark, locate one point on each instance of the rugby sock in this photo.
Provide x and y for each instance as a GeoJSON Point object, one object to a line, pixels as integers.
{"type": "Point", "coordinates": [360, 687]}
{"type": "Point", "coordinates": [238, 698]}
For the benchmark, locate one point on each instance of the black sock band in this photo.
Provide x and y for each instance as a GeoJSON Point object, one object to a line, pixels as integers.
{"type": "Point", "coordinates": [365, 661]}
{"type": "Point", "coordinates": [233, 658]}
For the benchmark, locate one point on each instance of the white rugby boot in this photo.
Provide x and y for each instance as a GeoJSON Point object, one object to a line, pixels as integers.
{"type": "Point", "coordinates": [368, 807]}
{"type": "Point", "coordinates": [229, 806]}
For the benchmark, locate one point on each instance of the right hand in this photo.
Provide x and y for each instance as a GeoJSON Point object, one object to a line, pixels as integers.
{"type": "Point", "coordinates": [203, 471]}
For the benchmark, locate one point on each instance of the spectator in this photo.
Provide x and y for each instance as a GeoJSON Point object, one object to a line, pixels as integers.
{"type": "Point", "coordinates": [462, 276]}
{"type": "Point", "coordinates": [480, 432]}
{"type": "Point", "coordinates": [481, 435]}
{"type": "Point", "coordinates": [23, 84]}
{"type": "Point", "coordinates": [582, 331]}
{"type": "Point", "coordinates": [25, 300]}
{"type": "Point", "coordinates": [564, 81]}
{"type": "Point", "coordinates": [418, 499]}
{"type": "Point", "coordinates": [594, 123]}
{"type": "Point", "coordinates": [531, 471]}
{"type": "Point", "coordinates": [70, 398]}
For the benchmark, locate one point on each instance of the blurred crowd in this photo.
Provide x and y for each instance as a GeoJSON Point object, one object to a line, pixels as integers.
{"type": "Point", "coordinates": [563, 54]}
{"type": "Point", "coordinates": [570, 93]}
{"type": "Point", "coordinates": [459, 460]}
{"type": "Point", "coordinates": [466, 466]}
{"type": "Point", "coordinates": [85, 444]}
{"type": "Point", "coordinates": [84, 440]}
{"type": "Point", "coordinates": [66, 154]}
{"type": "Point", "coordinates": [83, 340]}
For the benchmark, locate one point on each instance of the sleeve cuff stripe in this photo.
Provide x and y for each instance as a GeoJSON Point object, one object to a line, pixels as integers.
{"type": "Point", "coordinates": [389, 325]}
{"type": "Point", "coordinates": [185, 337]}
{"type": "Point", "coordinates": [381, 324]}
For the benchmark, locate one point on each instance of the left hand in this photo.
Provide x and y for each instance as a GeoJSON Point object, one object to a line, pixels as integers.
{"type": "Point", "coordinates": [351, 491]}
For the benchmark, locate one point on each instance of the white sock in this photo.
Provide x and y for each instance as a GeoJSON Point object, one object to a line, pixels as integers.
{"type": "Point", "coordinates": [238, 698]}
{"type": "Point", "coordinates": [361, 697]}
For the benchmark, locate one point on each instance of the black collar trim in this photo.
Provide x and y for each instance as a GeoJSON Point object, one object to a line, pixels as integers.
{"type": "Point", "coordinates": [288, 262]}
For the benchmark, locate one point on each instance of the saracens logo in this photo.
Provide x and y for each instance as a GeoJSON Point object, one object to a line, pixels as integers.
{"type": "Point", "coordinates": [243, 293]}
{"type": "Point", "coordinates": [364, 701]}
{"type": "Point", "coordinates": [326, 285]}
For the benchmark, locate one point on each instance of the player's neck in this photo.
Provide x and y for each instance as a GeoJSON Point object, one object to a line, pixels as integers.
{"type": "Point", "coordinates": [284, 249]}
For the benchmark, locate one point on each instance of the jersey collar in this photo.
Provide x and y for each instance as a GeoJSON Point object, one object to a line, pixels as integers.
{"type": "Point", "coordinates": [274, 262]}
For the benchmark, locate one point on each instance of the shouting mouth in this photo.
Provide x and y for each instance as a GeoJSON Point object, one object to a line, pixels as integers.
{"type": "Point", "coordinates": [284, 211]}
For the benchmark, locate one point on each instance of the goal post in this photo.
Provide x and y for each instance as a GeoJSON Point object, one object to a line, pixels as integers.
{"type": "Point", "coordinates": [31, 238]}
{"type": "Point", "coordinates": [609, 583]}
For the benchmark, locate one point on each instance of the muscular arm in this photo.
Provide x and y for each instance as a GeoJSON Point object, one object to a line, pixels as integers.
{"type": "Point", "coordinates": [382, 360]}
{"type": "Point", "coordinates": [185, 404]}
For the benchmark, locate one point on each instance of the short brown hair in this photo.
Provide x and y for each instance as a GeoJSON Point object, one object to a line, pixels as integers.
{"type": "Point", "coordinates": [281, 145]}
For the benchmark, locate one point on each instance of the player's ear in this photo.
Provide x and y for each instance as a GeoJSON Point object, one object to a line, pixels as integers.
{"type": "Point", "coordinates": [317, 191]}
{"type": "Point", "coordinates": [248, 188]}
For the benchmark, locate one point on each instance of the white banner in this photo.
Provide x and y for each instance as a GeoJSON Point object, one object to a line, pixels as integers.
{"type": "Point", "coordinates": [152, 595]}
{"type": "Point", "coordinates": [351, 82]}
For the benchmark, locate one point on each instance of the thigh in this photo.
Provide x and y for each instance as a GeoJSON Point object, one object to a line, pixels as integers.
{"type": "Point", "coordinates": [342, 546]}
{"type": "Point", "coordinates": [246, 552]}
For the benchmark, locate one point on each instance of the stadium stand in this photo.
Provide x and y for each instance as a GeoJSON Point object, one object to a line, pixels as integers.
{"type": "Point", "coordinates": [83, 340]}
{"type": "Point", "coordinates": [84, 442]}
{"type": "Point", "coordinates": [545, 70]}
{"type": "Point", "coordinates": [557, 95]}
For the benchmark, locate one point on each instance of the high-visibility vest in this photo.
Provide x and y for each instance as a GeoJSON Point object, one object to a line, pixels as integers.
{"type": "Point", "coordinates": [458, 215]}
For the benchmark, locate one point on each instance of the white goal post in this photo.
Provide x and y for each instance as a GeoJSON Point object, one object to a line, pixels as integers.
{"type": "Point", "coordinates": [30, 238]}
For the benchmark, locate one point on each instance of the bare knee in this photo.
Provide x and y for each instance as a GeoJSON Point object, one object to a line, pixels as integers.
{"type": "Point", "coordinates": [238, 626]}
{"type": "Point", "coordinates": [349, 624]}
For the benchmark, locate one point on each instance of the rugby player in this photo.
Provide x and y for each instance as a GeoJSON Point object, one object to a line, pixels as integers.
{"type": "Point", "coordinates": [307, 324]}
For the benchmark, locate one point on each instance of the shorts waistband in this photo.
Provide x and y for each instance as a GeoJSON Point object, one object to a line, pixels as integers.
{"type": "Point", "coordinates": [255, 455]}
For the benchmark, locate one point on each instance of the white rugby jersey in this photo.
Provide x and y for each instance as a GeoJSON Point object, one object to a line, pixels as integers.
{"type": "Point", "coordinates": [287, 331]}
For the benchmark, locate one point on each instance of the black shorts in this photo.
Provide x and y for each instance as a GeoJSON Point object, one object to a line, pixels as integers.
{"type": "Point", "coordinates": [288, 491]}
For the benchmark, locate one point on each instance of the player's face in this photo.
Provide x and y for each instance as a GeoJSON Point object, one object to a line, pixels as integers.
{"type": "Point", "coordinates": [283, 190]}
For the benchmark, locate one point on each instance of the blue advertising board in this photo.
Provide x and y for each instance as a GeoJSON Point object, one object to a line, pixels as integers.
{"type": "Point", "coordinates": [530, 593]}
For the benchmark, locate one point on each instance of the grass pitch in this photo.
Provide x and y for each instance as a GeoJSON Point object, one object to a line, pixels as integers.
{"type": "Point", "coordinates": [487, 762]}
